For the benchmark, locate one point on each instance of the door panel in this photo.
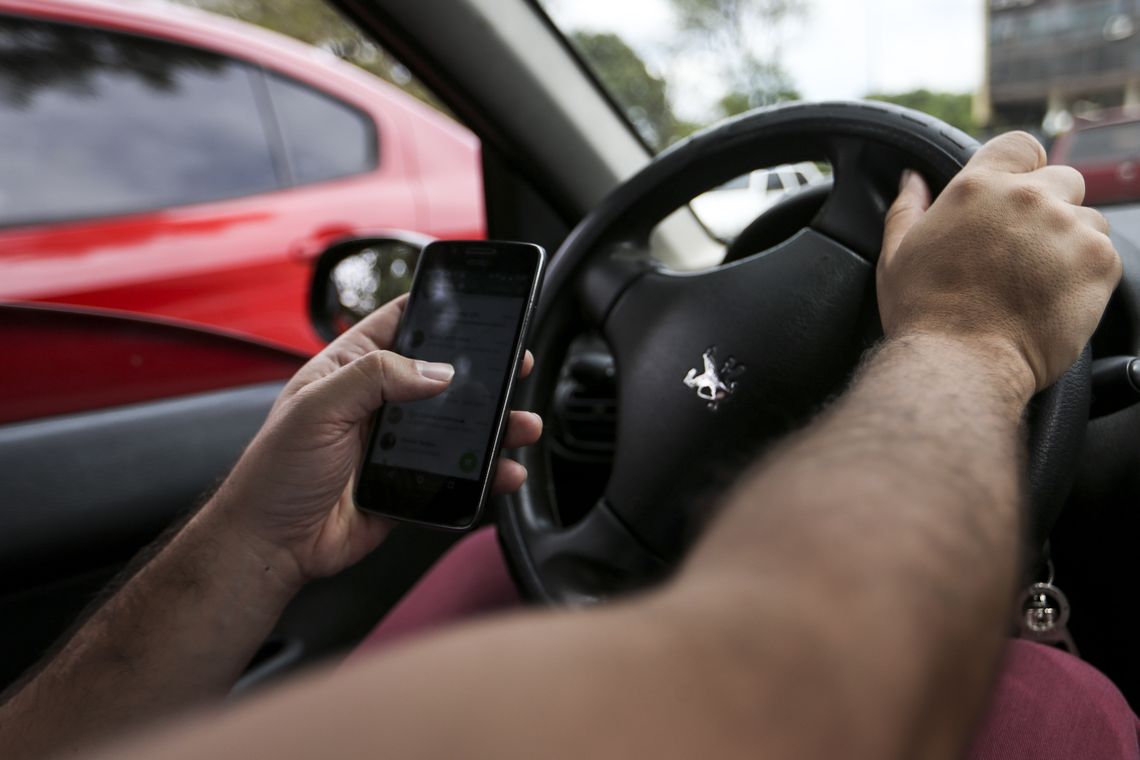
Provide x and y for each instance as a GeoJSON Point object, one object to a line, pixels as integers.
{"type": "Point", "coordinates": [80, 494]}
{"type": "Point", "coordinates": [81, 491]}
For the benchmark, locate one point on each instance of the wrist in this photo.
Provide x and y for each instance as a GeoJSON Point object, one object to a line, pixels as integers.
{"type": "Point", "coordinates": [272, 569]}
{"type": "Point", "coordinates": [996, 359]}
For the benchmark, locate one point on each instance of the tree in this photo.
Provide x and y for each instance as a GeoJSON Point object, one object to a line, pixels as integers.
{"type": "Point", "coordinates": [734, 31]}
{"type": "Point", "coordinates": [642, 95]}
{"type": "Point", "coordinates": [954, 108]}
{"type": "Point", "coordinates": [318, 24]}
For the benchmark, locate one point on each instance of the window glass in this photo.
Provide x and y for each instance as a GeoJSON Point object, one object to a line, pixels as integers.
{"type": "Point", "coordinates": [324, 137]}
{"type": "Point", "coordinates": [801, 179]}
{"type": "Point", "coordinates": [1116, 143]}
{"type": "Point", "coordinates": [95, 123]}
{"type": "Point", "coordinates": [774, 182]}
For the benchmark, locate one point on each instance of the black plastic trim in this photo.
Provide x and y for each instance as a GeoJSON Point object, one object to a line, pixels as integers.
{"type": "Point", "coordinates": [84, 490]}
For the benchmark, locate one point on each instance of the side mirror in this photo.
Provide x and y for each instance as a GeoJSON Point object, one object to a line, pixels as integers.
{"type": "Point", "coordinates": [355, 277]}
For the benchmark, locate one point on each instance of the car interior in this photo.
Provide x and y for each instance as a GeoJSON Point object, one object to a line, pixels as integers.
{"type": "Point", "coordinates": [637, 290]}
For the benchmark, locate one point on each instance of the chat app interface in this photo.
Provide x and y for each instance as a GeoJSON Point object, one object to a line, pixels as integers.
{"type": "Point", "coordinates": [467, 318]}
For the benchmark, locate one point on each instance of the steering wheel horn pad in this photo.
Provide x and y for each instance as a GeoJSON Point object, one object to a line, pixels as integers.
{"type": "Point", "coordinates": [712, 366]}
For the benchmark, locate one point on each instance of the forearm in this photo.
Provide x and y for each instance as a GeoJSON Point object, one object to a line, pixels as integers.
{"type": "Point", "coordinates": [875, 607]}
{"type": "Point", "coordinates": [848, 602]}
{"type": "Point", "coordinates": [179, 631]}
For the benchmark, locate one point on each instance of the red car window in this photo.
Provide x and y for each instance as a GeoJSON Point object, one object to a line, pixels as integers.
{"type": "Point", "coordinates": [324, 138]}
{"type": "Point", "coordinates": [1115, 142]}
{"type": "Point", "coordinates": [98, 123]}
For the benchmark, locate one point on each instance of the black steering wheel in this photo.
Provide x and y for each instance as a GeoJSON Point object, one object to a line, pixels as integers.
{"type": "Point", "coordinates": [714, 365]}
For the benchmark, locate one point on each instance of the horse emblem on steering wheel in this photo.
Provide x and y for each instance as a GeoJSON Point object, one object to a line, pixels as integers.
{"type": "Point", "coordinates": [714, 385]}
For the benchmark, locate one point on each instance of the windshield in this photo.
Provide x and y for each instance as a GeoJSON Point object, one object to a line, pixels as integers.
{"type": "Point", "coordinates": [677, 65]}
{"type": "Point", "coordinates": [1046, 66]}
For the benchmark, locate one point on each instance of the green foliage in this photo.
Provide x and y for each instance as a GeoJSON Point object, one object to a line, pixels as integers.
{"type": "Point", "coordinates": [318, 24]}
{"type": "Point", "coordinates": [954, 108]}
{"type": "Point", "coordinates": [641, 94]}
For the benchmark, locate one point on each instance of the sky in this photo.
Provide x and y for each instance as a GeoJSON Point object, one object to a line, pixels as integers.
{"type": "Point", "coordinates": [840, 49]}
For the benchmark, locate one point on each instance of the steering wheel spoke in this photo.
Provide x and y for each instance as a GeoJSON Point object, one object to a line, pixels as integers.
{"type": "Point", "coordinates": [865, 183]}
{"type": "Point", "coordinates": [604, 280]}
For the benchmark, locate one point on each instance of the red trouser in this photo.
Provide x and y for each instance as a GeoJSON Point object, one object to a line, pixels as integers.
{"type": "Point", "coordinates": [1047, 705]}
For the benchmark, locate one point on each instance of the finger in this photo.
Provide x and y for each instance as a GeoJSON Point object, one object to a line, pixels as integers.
{"type": "Point", "coordinates": [523, 429]}
{"type": "Point", "coordinates": [509, 476]}
{"type": "Point", "coordinates": [527, 364]}
{"type": "Point", "coordinates": [1093, 218]}
{"type": "Point", "coordinates": [904, 213]}
{"type": "Point", "coordinates": [376, 331]}
{"type": "Point", "coordinates": [1016, 152]}
{"type": "Point", "coordinates": [360, 387]}
{"type": "Point", "coordinates": [1062, 182]}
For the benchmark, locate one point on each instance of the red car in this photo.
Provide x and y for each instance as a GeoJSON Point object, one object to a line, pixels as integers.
{"type": "Point", "coordinates": [162, 160]}
{"type": "Point", "coordinates": [1107, 153]}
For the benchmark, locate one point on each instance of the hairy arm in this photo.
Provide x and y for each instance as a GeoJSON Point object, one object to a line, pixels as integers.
{"type": "Point", "coordinates": [851, 597]}
{"type": "Point", "coordinates": [179, 631]}
{"type": "Point", "coordinates": [848, 602]}
{"type": "Point", "coordinates": [182, 628]}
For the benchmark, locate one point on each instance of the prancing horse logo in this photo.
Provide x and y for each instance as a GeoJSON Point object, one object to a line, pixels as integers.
{"type": "Point", "coordinates": [714, 385]}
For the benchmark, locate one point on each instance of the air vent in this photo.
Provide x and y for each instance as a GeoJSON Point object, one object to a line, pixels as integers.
{"type": "Point", "coordinates": [585, 405]}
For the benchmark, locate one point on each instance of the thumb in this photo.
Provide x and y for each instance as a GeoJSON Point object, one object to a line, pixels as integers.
{"type": "Point", "coordinates": [360, 387]}
{"type": "Point", "coordinates": [912, 201]}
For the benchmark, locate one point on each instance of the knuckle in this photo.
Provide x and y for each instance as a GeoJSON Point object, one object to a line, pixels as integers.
{"type": "Point", "coordinates": [1026, 196]}
{"type": "Point", "coordinates": [967, 186]}
{"type": "Point", "coordinates": [1073, 176]}
{"type": "Point", "coordinates": [1111, 259]}
{"type": "Point", "coordinates": [380, 365]}
{"type": "Point", "coordinates": [1101, 255]}
{"type": "Point", "coordinates": [1026, 143]}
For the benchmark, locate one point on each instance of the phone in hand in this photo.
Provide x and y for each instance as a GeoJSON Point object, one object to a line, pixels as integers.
{"type": "Point", "coordinates": [431, 461]}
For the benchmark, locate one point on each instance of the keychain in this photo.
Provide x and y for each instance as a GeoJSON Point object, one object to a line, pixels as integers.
{"type": "Point", "coordinates": [1043, 614]}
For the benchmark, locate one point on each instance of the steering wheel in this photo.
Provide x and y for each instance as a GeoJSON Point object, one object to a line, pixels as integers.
{"type": "Point", "coordinates": [713, 365]}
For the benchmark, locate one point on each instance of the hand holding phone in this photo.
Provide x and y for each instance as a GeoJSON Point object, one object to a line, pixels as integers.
{"type": "Point", "coordinates": [431, 461]}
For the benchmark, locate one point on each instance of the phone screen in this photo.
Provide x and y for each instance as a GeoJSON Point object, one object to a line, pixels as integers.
{"type": "Point", "coordinates": [429, 461]}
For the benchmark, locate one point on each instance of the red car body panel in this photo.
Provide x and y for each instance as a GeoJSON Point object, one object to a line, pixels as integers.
{"type": "Point", "coordinates": [64, 360]}
{"type": "Point", "coordinates": [245, 264]}
{"type": "Point", "coordinates": [1108, 178]}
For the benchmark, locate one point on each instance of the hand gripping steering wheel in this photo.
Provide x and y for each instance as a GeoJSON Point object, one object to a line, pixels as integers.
{"type": "Point", "coordinates": [713, 365]}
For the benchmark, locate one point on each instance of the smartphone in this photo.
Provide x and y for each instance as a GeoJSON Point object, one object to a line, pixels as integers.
{"type": "Point", "coordinates": [431, 461]}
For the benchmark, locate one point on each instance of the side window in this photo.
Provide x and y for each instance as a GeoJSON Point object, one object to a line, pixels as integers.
{"type": "Point", "coordinates": [774, 185]}
{"type": "Point", "coordinates": [1119, 142]}
{"type": "Point", "coordinates": [324, 137]}
{"type": "Point", "coordinates": [96, 123]}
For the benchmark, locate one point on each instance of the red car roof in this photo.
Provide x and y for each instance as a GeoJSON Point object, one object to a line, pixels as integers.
{"type": "Point", "coordinates": [237, 39]}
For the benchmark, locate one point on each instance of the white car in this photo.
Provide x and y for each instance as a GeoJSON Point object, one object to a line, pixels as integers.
{"type": "Point", "coordinates": [728, 209]}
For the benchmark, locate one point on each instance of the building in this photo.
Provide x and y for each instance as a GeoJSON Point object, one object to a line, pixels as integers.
{"type": "Point", "coordinates": [1048, 61]}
